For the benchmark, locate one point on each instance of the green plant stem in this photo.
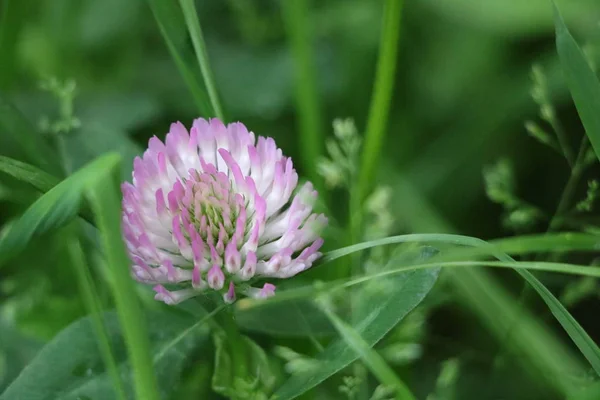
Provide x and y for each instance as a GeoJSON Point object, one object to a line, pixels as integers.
{"type": "Point", "coordinates": [225, 322]}
{"type": "Point", "coordinates": [296, 16]}
{"type": "Point", "coordinates": [562, 140]}
{"type": "Point", "coordinates": [566, 198]}
{"type": "Point", "coordinates": [193, 24]}
{"type": "Point", "coordinates": [61, 148]}
{"type": "Point", "coordinates": [564, 203]}
{"type": "Point", "coordinates": [92, 303]}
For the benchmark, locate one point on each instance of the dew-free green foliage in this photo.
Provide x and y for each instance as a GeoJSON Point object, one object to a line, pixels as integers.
{"type": "Point", "coordinates": [83, 375]}
{"type": "Point", "coordinates": [381, 310]}
{"type": "Point", "coordinates": [424, 302]}
{"type": "Point", "coordinates": [583, 83]}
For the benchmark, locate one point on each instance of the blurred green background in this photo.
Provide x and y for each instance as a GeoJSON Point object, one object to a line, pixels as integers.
{"type": "Point", "coordinates": [461, 97]}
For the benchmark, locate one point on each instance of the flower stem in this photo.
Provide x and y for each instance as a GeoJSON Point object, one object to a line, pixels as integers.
{"type": "Point", "coordinates": [193, 23]}
{"type": "Point", "coordinates": [225, 322]}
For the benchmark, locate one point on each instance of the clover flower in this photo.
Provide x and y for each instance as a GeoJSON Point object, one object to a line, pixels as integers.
{"type": "Point", "coordinates": [216, 209]}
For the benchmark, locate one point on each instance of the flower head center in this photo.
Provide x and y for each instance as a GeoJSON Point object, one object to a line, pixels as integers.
{"type": "Point", "coordinates": [216, 212]}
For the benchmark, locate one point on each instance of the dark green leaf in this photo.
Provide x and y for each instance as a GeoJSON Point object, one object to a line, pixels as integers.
{"type": "Point", "coordinates": [70, 366]}
{"type": "Point", "coordinates": [295, 318]}
{"type": "Point", "coordinates": [582, 82]}
{"type": "Point", "coordinates": [389, 302]}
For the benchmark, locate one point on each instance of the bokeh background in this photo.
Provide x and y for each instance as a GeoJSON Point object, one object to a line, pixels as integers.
{"type": "Point", "coordinates": [461, 97]}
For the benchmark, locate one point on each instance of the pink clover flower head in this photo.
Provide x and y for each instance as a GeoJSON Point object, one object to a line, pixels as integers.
{"type": "Point", "coordinates": [215, 209]}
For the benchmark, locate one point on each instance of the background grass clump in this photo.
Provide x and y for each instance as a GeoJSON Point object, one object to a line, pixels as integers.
{"type": "Point", "coordinates": [455, 148]}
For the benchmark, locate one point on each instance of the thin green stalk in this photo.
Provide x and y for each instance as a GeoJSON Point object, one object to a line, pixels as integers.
{"type": "Point", "coordinates": [562, 139]}
{"type": "Point", "coordinates": [92, 304]}
{"type": "Point", "coordinates": [235, 340]}
{"type": "Point", "coordinates": [193, 24]}
{"type": "Point", "coordinates": [295, 13]}
{"type": "Point", "coordinates": [105, 204]}
{"type": "Point", "coordinates": [378, 114]}
{"type": "Point", "coordinates": [564, 203]}
{"type": "Point", "coordinates": [567, 196]}
{"type": "Point", "coordinates": [382, 95]}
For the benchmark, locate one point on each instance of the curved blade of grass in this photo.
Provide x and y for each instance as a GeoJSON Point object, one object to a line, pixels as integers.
{"type": "Point", "coordinates": [191, 19]}
{"type": "Point", "coordinates": [383, 307]}
{"type": "Point", "coordinates": [34, 176]}
{"type": "Point", "coordinates": [560, 242]}
{"type": "Point", "coordinates": [382, 95]}
{"type": "Point", "coordinates": [376, 364]}
{"type": "Point", "coordinates": [295, 13]}
{"type": "Point", "coordinates": [104, 198]}
{"type": "Point", "coordinates": [581, 80]}
{"type": "Point", "coordinates": [54, 209]}
{"type": "Point", "coordinates": [170, 21]}
{"type": "Point", "coordinates": [92, 303]}
{"type": "Point", "coordinates": [517, 246]}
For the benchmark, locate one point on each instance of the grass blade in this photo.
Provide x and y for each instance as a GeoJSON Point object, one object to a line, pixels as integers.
{"type": "Point", "coordinates": [295, 13]}
{"type": "Point", "coordinates": [498, 248]}
{"type": "Point", "coordinates": [369, 356]}
{"type": "Point", "coordinates": [382, 95]}
{"type": "Point", "coordinates": [169, 20]}
{"type": "Point", "coordinates": [92, 303]}
{"type": "Point", "coordinates": [104, 199]}
{"type": "Point", "coordinates": [34, 176]}
{"type": "Point", "coordinates": [581, 80]}
{"type": "Point", "coordinates": [191, 19]}
{"type": "Point", "coordinates": [54, 209]}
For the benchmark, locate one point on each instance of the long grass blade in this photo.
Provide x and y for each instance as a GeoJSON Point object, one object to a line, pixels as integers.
{"type": "Point", "coordinates": [191, 19]}
{"type": "Point", "coordinates": [169, 20]}
{"type": "Point", "coordinates": [93, 305]}
{"type": "Point", "coordinates": [579, 336]}
{"type": "Point", "coordinates": [296, 17]}
{"type": "Point", "coordinates": [382, 95]}
{"type": "Point", "coordinates": [104, 199]}
{"type": "Point", "coordinates": [24, 172]}
{"type": "Point", "coordinates": [582, 81]}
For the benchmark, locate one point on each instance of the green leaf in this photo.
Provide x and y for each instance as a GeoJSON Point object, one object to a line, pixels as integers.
{"type": "Point", "coordinates": [70, 366]}
{"type": "Point", "coordinates": [298, 318]}
{"type": "Point", "coordinates": [54, 209]}
{"type": "Point", "coordinates": [24, 172]}
{"type": "Point", "coordinates": [384, 311]}
{"type": "Point", "coordinates": [372, 359]}
{"type": "Point", "coordinates": [582, 82]}
{"type": "Point", "coordinates": [171, 24]}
